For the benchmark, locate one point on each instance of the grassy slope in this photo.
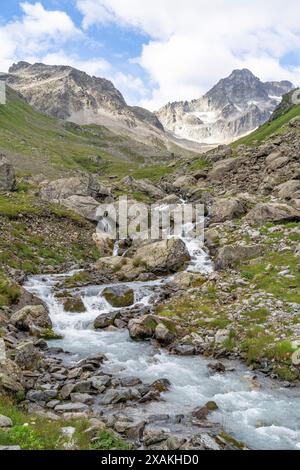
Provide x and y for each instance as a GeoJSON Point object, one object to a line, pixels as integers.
{"type": "Point", "coordinates": [274, 126]}
{"type": "Point", "coordinates": [39, 144]}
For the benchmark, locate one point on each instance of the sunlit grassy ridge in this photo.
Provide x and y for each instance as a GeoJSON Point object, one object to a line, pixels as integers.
{"type": "Point", "coordinates": [37, 143]}
{"type": "Point", "coordinates": [276, 125]}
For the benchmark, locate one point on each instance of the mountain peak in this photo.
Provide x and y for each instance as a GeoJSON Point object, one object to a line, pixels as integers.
{"type": "Point", "coordinates": [235, 106]}
{"type": "Point", "coordinates": [242, 74]}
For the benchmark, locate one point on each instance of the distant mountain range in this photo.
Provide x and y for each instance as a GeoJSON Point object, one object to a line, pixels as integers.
{"type": "Point", "coordinates": [234, 107]}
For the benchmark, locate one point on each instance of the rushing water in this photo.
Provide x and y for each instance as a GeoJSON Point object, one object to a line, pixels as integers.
{"type": "Point", "coordinates": [265, 418]}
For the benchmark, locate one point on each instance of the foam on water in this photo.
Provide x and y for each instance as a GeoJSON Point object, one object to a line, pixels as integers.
{"type": "Point", "coordinates": [267, 418]}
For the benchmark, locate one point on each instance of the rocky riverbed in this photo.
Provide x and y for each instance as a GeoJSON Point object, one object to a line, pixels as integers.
{"type": "Point", "coordinates": [153, 398]}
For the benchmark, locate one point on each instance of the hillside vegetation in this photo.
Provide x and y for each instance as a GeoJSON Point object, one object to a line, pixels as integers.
{"type": "Point", "coordinates": [276, 125]}
{"type": "Point", "coordinates": [39, 144]}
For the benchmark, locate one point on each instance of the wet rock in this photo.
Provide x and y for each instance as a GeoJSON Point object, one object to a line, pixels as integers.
{"type": "Point", "coordinates": [142, 328]}
{"type": "Point", "coordinates": [74, 305]}
{"type": "Point", "coordinates": [200, 413]}
{"type": "Point", "coordinates": [183, 349]}
{"type": "Point", "coordinates": [130, 381]}
{"type": "Point", "coordinates": [161, 385]}
{"type": "Point", "coordinates": [162, 257]}
{"type": "Point", "coordinates": [5, 422]}
{"type": "Point", "coordinates": [119, 296]}
{"type": "Point", "coordinates": [27, 355]}
{"type": "Point", "coordinates": [31, 316]}
{"type": "Point", "coordinates": [105, 320]}
{"type": "Point", "coordinates": [163, 334]}
{"type": "Point", "coordinates": [151, 395]}
{"type": "Point", "coordinates": [217, 367]}
{"type": "Point", "coordinates": [151, 326]}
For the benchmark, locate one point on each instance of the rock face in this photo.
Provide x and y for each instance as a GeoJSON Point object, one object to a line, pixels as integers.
{"type": "Point", "coordinates": [30, 317]}
{"type": "Point", "coordinates": [229, 255]}
{"type": "Point", "coordinates": [74, 305]}
{"type": "Point", "coordinates": [7, 175]}
{"type": "Point", "coordinates": [82, 194]}
{"type": "Point", "coordinates": [70, 94]}
{"type": "Point", "coordinates": [236, 105]}
{"type": "Point", "coordinates": [227, 209]}
{"type": "Point", "coordinates": [273, 212]}
{"type": "Point", "coordinates": [163, 256]}
{"type": "Point", "coordinates": [119, 296]}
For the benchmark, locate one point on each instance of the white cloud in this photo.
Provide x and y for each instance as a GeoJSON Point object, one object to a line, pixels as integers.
{"type": "Point", "coordinates": [37, 31]}
{"type": "Point", "coordinates": [195, 42]}
{"type": "Point", "coordinates": [97, 67]}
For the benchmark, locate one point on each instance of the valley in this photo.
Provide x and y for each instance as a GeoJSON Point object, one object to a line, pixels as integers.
{"type": "Point", "coordinates": [147, 344]}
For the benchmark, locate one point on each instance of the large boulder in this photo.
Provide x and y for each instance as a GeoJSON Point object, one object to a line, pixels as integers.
{"type": "Point", "coordinates": [185, 182]}
{"type": "Point", "coordinates": [145, 187]}
{"type": "Point", "coordinates": [227, 209]}
{"type": "Point", "coordinates": [289, 190]}
{"type": "Point", "coordinates": [74, 305]}
{"type": "Point", "coordinates": [30, 317]}
{"type": "Point", "coordinates": [84, 185]}
{"type": "Point", "coordinates": [273, 212]}
{"type": "Point", "coordinates": [7, 175]}
{"type": "Point", "coordinates": [228, 256]}
{"type": "Point", "coordinates": [105, 320]}
{"type": "Point", "coordinates": [151, 326]}
{"type": "Point", "coordinates": [223, 167]}
{"type": "Point", "coordinates": [163, 256]}
{"type": "Point", "coordinates": [119, 296]}
{"type": "Point", "coordinates": [79, 193]}
{"type": "Point", "coordinates": [85, 206]}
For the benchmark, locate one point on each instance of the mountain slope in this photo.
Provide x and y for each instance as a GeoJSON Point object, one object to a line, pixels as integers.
{"type": "Point", "coordinates": [234, 107]}
{"type": "Point", "coordinates": [277, 123]}
{"type": "Point", "coordinates": [37, 144]}
{"type": "Point", "coordinates": [67, 93]}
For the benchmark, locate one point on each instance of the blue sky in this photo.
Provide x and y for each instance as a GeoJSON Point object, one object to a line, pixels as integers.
{"type": "Point", "coordinates": [160, 50]}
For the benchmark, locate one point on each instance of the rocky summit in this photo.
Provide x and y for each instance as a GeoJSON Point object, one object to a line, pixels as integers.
{"type": "Point", "coordinates": [235, 106]}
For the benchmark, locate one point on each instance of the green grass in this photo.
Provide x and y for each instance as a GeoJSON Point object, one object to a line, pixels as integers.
{"type": "Point", "coordinates": [265, 275]}
{"type": "Point", "coordinates": [9, 292]}
{"type": "Point", "coordinates": [107, 440]}
{"type": "Point", "coordinates": [33, 235]}
{"type": "Point", "coordinates": [37, 143]}
{"type": "Point", "coordinates": [32, 432]}
{"type": "Point", "coordinates": [272, 127]}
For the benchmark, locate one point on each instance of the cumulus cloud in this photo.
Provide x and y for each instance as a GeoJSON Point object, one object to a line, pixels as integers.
{"type": "Point", "coordinates": [193, 43]}
{"type": "Point", "coordinates": [35, 32]}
